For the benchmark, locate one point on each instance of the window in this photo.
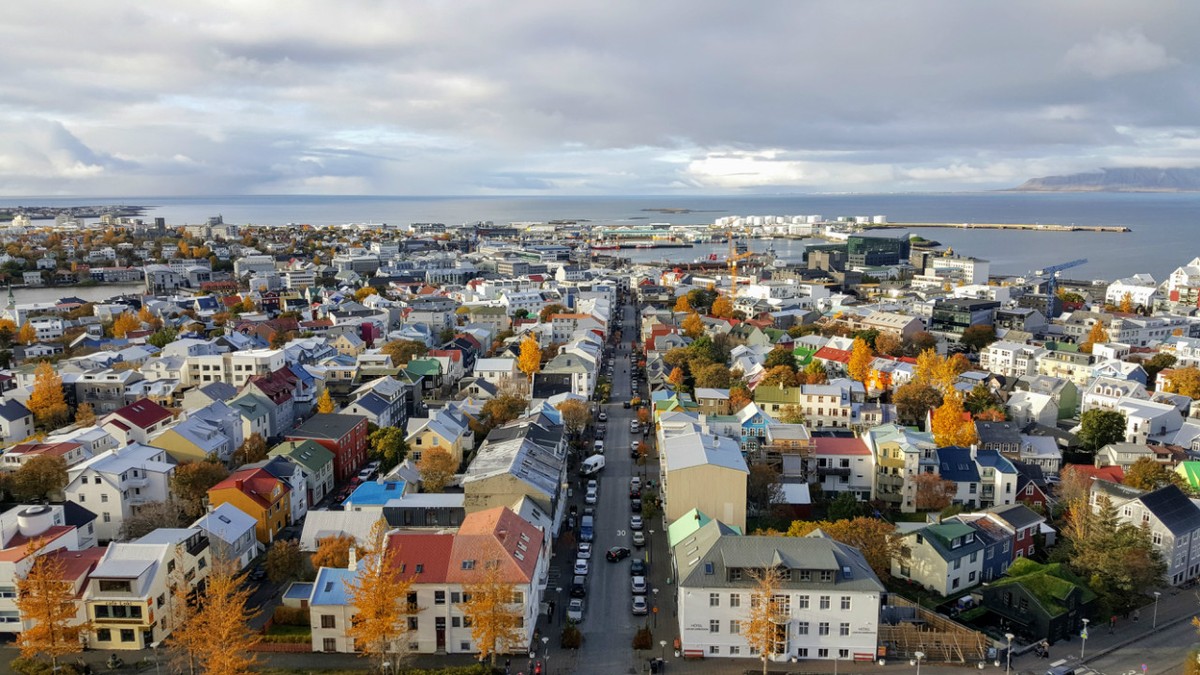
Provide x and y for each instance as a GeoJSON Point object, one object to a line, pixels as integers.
{"type": "Point", "coordinates": [822, 653]}
{"type": "Point", "coordinates": [802, 628]}
{"type": "Point", "coordinates": [107, 517]}
{"type": "Point", "coordinates": [734, 650]}
{"type": "Point", "coordinates": [803, 601]}
{"type": "Point", "coordinates": [328, 621]}
{"type": "Point", "coordinates": [714, 599]}
{"type": "Point", "coordinates": [823, 628]}
{"type": "Point", "coordinates": [455, 622]}
{"type": "Point", "coordinates": [714, 649]}
{"type": "Point", "coordinates": [412, 623]}
{"type": "Point", "coordinates": [714, 625]}
{"type": "Point", "coordinates": [329, 645]}
{"type": "Point", "coordinates": [843, 653]}
{"type": "Point", "coordinates": [439, 597]}
{"type": "Point", "coordinates": [103, 499]}
{"type": "Point", "coordinates": [104, 635]}
{"type": "Point", "coordinates": [735, 627]}
{"type": "Point", "coordinates": [955, 584]}
{"type": "Point", "coordinates": [824, 602]}
{"type": "Point", "coordinates": [455, 598]}
{"type": "Point", "coordinates": [735, 600]}
{"type": "Point", "coordinates": [843, 629]}
{"type": "Point", "coordinates": [845, 602]}
{"type": "Point", "coordinates": [826, 575]}
{"type": "Point", "coordinates": [1156, 538]}
{"type": "Point", "coordinates": [127, 635]}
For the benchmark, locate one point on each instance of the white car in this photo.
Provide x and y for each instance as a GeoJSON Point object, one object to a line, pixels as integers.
{"type": "Point", "coordinates": [639, 539]}
{"type": "Point", "coordinates": [640, 606]}
{"type": "Point", "coordinates": [581, 567]}
{"type": "Point", "coordinates": [598, 447]}
{"type": "Point", "coordinates": [593, 485]}
{"type": "Point", "coordinates": [635, 521]}
{"type": "Point", "coordinates": [638, 585]}
{"type": "Point", "coordinates": [591, 497]}
{"type": "Point", "coordinates": [633, 427]}
{"type": "Point", "coordinates": [603, 416]}
{"type": "Point", "coordinates": [585, 551]}
{"type": "Point", "coordinates": [575, 610]}
{"type": "Point", "coordinates": [633, 447]}
{"type": "Point", "coordinates": [635, 483]}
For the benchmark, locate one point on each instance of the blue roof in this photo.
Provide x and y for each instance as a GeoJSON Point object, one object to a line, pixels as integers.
{"type": "Point", "coordinates": [955, 463]}
{"type": "Point", "coordinates": [298, 591]}
{"type": "Point", "coordinates": [994, 459]}
{"type": "Point", "coordinates": [372, 402]}
{"type": "Point", "coordinates": [206, 302]}
{"type": "Point", "coordinates": [376, 493]}
{"type": "Point", "coordinates": [330, 586]}
{"type": "Point", "coordinates": [301, 372]}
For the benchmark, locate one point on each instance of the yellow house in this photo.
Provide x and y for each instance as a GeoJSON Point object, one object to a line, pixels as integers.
{"type": "Point", "coordinates": [442, 430]}
{"type": "Point", "coordinates": [195, 439]}
{"type": "Point", "coordinates": [705, 472]}
{"type": "Point", "coordinates": [259, 494]}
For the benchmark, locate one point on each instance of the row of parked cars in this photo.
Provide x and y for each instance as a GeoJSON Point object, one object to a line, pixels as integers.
{"type": "Point", "coordinates": [638, 572]}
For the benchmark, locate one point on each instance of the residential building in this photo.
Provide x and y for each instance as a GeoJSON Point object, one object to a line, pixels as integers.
{"type": "Point", "coordinates": [843, 465]}
{"type": "Point", "coordinates": [1043, 602]}
{"type": "Point", "coordinates": [523, 460]}
{"type": "Point", "coordinates": [444, 429]}
{"type": "Point", "coordinates": [900, 454]}
{"type": "Point", "coordinates": [943, 558]}
{"type": "Point", "coordinates": [137, 422]}
{"type": "Point", "coordinates": [16, 421]}
{"type": "Point", "coordinates": [314, 461]}
{"type": "Point", "coordinates": [231, 533]}
{"type": "Point", "coordinates": [258, 494]}
{"type": "Point", "coordinates": [343, 435]}
{"type": "Point", "coordinates": [705, 472]}
{"type": "Point", "coordinates": [1172, 519]}
{"type": "Point", "coordinates": [115, 483]}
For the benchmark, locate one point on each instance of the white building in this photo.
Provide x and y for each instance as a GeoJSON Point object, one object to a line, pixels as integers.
{"type": "Point", "coordinates": [115, 483]}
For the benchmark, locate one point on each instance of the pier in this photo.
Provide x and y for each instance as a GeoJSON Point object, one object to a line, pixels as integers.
{"type": "Point", "coordinates": [1036, 227]}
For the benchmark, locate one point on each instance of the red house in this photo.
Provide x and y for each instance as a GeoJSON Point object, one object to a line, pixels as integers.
{"type": "Point", "coordinates": [343, 435]}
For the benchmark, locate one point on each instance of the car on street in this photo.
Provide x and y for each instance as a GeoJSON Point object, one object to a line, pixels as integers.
{"type": "Point", "coordinates": [366, 474]}
{"type": "Point", "coordinates": [579, 587]}
{"type": "Point", "coordinates": [590, 497]}
{"type": "Point", "coordinates": [592, 484]}
{"type": "Point", "coordinates": [640, 606]}
{"type": "Point", "coordinates": [625, 404]}
{"type": "Point", "coordinates": [616, 554]}
{"type": "Point", "coordinates": [633, 447]}
{"type": "Point", "coordinates": [603, 416]}
{"type": "Point", "coordinates": [581, 567]}
{"type": "Point", "coordinates": [585, 551]}
{"type": "Point", "coordinates": [258, 574]}
{"type": "Point", "coordinates": [633, 426]}
{"type": "Point", "coordinates": [637, 567]}
{"type": "Point", "coordinates": [635, 505]}
{"type": "Point", "coordinates": [635, 521]}
{"type": "Point", "coordinates": [575, 610]}
{"type": "Point", "coordinates": [571, 522]}
{"type": "Point", "coordinates": [635, 483]}
{"type": "Point", "coordinates": [638, 585]}
{"type": "Point", "coordinates": [639, 539]}
{"type": "Point", "coordinates": [598, 447]}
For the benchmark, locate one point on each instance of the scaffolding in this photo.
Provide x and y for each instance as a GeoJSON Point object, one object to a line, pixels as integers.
{"type": "Point", "coordinates": [908, 628]}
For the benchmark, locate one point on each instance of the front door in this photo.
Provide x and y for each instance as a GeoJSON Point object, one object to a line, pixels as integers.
{"type": "Point", "coordinates": [440, 624]}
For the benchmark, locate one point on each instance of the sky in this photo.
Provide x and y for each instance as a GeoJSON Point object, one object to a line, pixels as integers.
{"type": "Point", "coordinates": [460, 97]}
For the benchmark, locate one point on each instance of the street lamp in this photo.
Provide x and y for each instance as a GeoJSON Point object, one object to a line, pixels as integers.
{"type": "Point", "coordinates": [1083, 635]}
{"type": "Point", "coordinates": [656, 608]}
{"type": "Point", "coordinates": [662, 654]}
{"type": "Point", "coordinates": [918, 656]}
{"type": "Point", "coordinates": [1008, 655]}
{"type": "Point", "coordinates": [546, 652]}
{"type": "Point", "coordinates": [1154, 624]}
{"type": "Point", "coordinates": [154, 646]}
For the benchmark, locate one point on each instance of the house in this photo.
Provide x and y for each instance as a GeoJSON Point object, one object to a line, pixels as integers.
{"type": "Point", "coordinates": [137, 422]}
{"type": "Point", "coordinates": [277, 388]}
{"type": "Point", "coordinates": [385, 402]}
{"type": "Point", "coordinates": [255, 411]}
{"type": "Point", "coordinates": [943, 558]}
{"type": "Point", "coordinates": [1149, 420]}
{"type": "Point", "coordinates": [258, 494]}
{"type": "Point", "coordinates": [497, 370]}
{"type": "Point", "coordinates": [1122, 454]}
{"type": "Point", "coordinates": [1041, 602]}
{"type": "Point", "coordinates": [1023, 522]}
{"type": "Point", "coordinates": [293, 476]}
{"type": "Point", "coordinates": [705, 472]}
{"type": "Point", "coordinates": [343, 435]}
{"type": "Point", "coordinates": [71, 453]}
{"type": "Point", "coordinates": [215, 431]}
{"type": "Point", "coordinates": [1105, 393]}
{"type": "Point", "coordinates": [128, 596]}
{"type": "Point", "coordinates": [231, 533]}
{"type": "Point", "coordinates": [443, 429]}
{"type": "Point", "coordinates": [828, 594]}
{"type": "Point", "coordinates": [713, 401]}
{"type": "Point", "coordinates": [115, 483]}
{"type": "Point", "coordinates": [442, 567]}
{"type": "Point", "coordinates": [315, 463]}
{"type": "Point", "coordinates": [900, 454]}
{"type": "Point", "coordinates": [522, 460]}
{"type": "Point", "coordinates": [16, 422]}
{"type": "Point", "coordinates": [843, 465]}
{"type": "Point", "coordinates": [1172, 519]}
{"type": "Point", "coordinates": [30, 531]}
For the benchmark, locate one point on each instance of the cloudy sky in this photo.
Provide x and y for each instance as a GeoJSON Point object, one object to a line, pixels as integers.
{"type": "Point", "coordinates": [460, 97]}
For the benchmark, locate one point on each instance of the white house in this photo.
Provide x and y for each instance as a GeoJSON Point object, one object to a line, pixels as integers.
{"type": "Point", "coordinates": [115, 483]}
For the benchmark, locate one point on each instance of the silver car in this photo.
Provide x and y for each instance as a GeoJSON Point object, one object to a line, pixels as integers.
{"type": "Point", "coordinates": [575, 610]}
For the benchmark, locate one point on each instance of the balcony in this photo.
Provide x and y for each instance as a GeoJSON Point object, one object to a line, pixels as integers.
{"type": "Point", "coordinates": [823, 471]}
{"type": "Point", "coordinates": [140, 482]}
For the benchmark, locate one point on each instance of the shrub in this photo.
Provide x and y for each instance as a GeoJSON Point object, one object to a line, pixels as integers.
{"type": "Point", "coordinates": [643, 639]}
{"type": "Point", "coordinates": [26, 666]}
{"type": "Point", "coordinates": [291, 616]}
{"type": "Point", "coordinates": [571, 637]}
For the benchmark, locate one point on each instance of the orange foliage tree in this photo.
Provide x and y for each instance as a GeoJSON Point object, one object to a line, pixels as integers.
{"type": "Point", "coordinates": [692, 325]}
{"type": "Point", "coordinates": [47, 601]}
{"type": "Point", "coordinates": [495, 611]}
{"type": "Point", "coordinates": [379, 597]}
{"type": "Point", "coordinates": [125, 323]}
{"type": "Point", "coordinates": [951, 425]}
{"type": "Point", "coordinates": [861, 357]}
{"type": "Point", "coordinates": [530, 360]}
{"type": "Point", "coordinates": [47, 401]}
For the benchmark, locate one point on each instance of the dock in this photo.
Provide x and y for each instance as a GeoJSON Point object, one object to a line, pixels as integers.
{"type": "Point", "coordinates": [1035, 227]}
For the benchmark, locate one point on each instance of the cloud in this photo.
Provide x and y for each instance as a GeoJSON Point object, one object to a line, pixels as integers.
{"type": "Point", "coordinates": [1113, 53]}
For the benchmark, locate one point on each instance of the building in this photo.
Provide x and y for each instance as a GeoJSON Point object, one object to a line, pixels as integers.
{"type": "Point", "coordinates": [343, 435]}
{"type": "Point", "coordinates": [829, 598]}
{"type": "Point", "coordinates": [1042, 602]}
{"type": "Point", "coordinates": [1172, 519]}
{"type": "Point", "coordinates": [314, 461]}
{"type": "Point", "coordinates": [115, 483]}
{"type": "Point", "coordinates": [16, 422]}
{"type": "Point", "coordinates": [231, 532]}
{"type": "Point", "coordinates": [944, 558]}
{"type": "Point", "coordinates": [952, 316]}
{"type": "Point", "coordinates": [260, 495]}
{"type": "Point", "coordinates": [704, 472]}
{"type": "Point", "coordinates": [876, 251]}
{"type": "Point", "coordinates": [843, 465]}
{"type": "Point", "coordinates": [137, 422]}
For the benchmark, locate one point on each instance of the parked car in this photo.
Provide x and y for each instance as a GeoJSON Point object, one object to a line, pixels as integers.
{"type": "Point", "coordinates": [637, 567]}
{"type": "Point", "coordinates": [598, 447]}
{"type": "Point", "coordinates": [633, 447]}
{"type": "Point", "coordinates": [625, 405]}
{"type": "Point", "coordinates": [635, 483]}
{"type": "Point", "coordinates": [593, 484]}
{"type": "Point", "coordinates": [616, 554]}
{"type": "Point", "coordinates": [585, 551]}
{"type": "Point", "coordinates": [635, 505]}
{"type": "Point", "coordinates": [639, 539]}
{"type": "Point", "coordinates": [579, 587]}
{"type": "Point", "coordinates": [640, 606]}
{"type": "Point", "coordinates": [590, 497]}
{"type": "Point", "coordinates": [581, 567]}
{"type": "Point", "coordinates": [603, 416]}
{"type": "Point", "coordinates": [575, 610]}
{"type": "Point", "coordinates": [635, 521]}
{"type": "Point", "coordinates": [638, 585]}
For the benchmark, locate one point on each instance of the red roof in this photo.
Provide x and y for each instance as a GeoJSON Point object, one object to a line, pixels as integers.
{"type": "Point", "coordinates": [496, 535]}
{"type": "Point", "coordinates": [143, 414]}
{"type": "Point", "coordinates": [18, 547]}
{"type": "Point", "coordinates": [430, 553]}
{"type": "Point", "coordinates": [1113, 473]}
{"type": "Point", "coordinates": [256, 484]}
{"type": "Point", "coordinates": [452, 354]}
{"type": "Point", "coordinates": [279, 385]}
{"type": "Point", "coordinates": [51, 449]}
{"type": "Point", "coordinates": [840, 446]}
{"type": "Point", "coordinates": [831, 354]}
{"type": "Point", "coordinates": [77, 564]}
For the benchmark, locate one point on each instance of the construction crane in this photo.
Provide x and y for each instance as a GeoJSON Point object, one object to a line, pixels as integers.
{"type": "Point", "coordinates": [733, 259]}
{"type": "Point", "coordinates": [1050, 277]}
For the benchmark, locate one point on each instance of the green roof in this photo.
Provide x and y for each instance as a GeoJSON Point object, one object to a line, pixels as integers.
{"type": "Point", "coordinates": [1191, 471]}
{"type": "Point", "coordinates": [771, 394]}
{"type": "Point", "coordinates": [687, 524]}
{"type": "Point", "coordinates": [1050, 584]}
{"type": "Point", "coordinates": [308, 453]}
{"type": "Point", "coordinates": [425, 366]}
{"type": "Point", "coordinates": [948, 532]}
{"type": "Point", "coordinates": [803, 354]}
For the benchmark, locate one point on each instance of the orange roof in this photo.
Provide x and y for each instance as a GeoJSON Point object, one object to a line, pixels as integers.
{"type": "Point", "coordinates": [257, 484]}
{"type": "Point", "coordinates": [51, 449]}
{"type": "Point", "coordinates": [18, 547]}
{"type": "Point", "coordinates": [495, 535]}
{"type": "Point", "coordinates": [1114, 473]}
{"type": "Point", "coordinates": [423, 557]}
{"type": "Point", "coordinates": [840, 446]}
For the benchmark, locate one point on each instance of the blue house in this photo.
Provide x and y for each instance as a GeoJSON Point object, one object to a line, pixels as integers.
{"type": "Point", "coordinates": [956, 464]}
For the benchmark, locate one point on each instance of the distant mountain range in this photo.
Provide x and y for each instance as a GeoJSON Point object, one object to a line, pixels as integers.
{"type": "Point", "coordinates": [1133, 179]}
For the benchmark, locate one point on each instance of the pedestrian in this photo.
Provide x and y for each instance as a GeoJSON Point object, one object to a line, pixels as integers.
{"type": "Point", "coordinates": [1112, 624]}
{"type": "Point", "coordinates": [1137, 614]}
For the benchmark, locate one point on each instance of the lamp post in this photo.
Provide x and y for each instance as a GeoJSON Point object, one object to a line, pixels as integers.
{"type": "Point", "coordinates": [154, 646]}
{"type": "Point", "coordinates": [662, 653]}
{"type": "Point", "coordinates": [656, 608]}
{"type": "Point", "coordinates": [1008, 654]}
{"type": "Point", "coordinates": [546, 653]}
{"type": "Point", "coordinates": [1083, 636]}
{"type": "Point", "coordinates": [919, 656]}
{"type": "Point", "coordinates": [1154, 624]}
{"type": "Point", "coordinates": [836, 658]}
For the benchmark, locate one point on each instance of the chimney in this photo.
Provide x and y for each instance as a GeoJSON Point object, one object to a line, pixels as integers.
{"type": "Point", "coordinates": [974, 450]}
{"type": "Point", "coordinates": [239, 483]}
{"type": "Point", "coordinates": [353, 565]}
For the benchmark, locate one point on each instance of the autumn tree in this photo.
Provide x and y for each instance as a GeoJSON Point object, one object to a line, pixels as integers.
{"type": "Point", "coordinates": [576, 415]}
{"type": "Point", "coordinates": [875, 538]}
{"type": "Point", "coordinates": [1098, 428]}
{"type": "Point", "coordinates": [1126, 305]}
{"type": "Point", "coordinates": [333, 551]}
{"type": "Point", "coordinates": [224, 618]}
{"type": "Point", "coordinates": [85, 416]}
{"type": "Point", "coordinates": [933, 493]}
{"type": "Point", "coordinates": [365, 292]}
{"type": "Point", "coordinates": [379, 597]}
{"type": "Point", "coordinates": [388, 446]}
{"type": "Point", "coordinates": [792, 414]}
{"type": "Point", "coordinates": [27, 335]}
{"type": "Point", "coordinates": [1117, 558]}
{"type": "Point", "coordinates": [914, 400]}
{"type": "Point", "coordinates": [124, 324]}
{"type": "Point", "coordinates": [190, 483]}
{"type": "Point", "coordinates": [325, 402]}
{"type": "Point", "coordinates": [38, 477]}
{"type": "Point", "coordinates": [1184, 381]}
{"type": "Point", "coordinates": [815, 373]}
{"type": "Point", "coordinates": [46, 401]}
{"type": "Point", "coordinates": [739, 397]}
{"type": "Point", "coordinates": [495, 610]}
{"type": "Point", "coordinates": [1148, 474]}
{"type": "Point", "coordinates": [859, 367]}
{"type": "Point", "coordinates": [437, 468]}
{"type": "Point", "coordinates": [47, 603]}
{"type": "Point", "coordinates": [763, 488]}
{"type": "Point", "coordinates": [549, 311]}
{"type": "Point", "coordinates": [980, 398]}
{"type": "Point", "coordinates": [1097, 335]}
{"type": "Point", "coordinates": [889, 344]}
{"type": "Point", "coordinates": [682, 304]}
{"type": "Point", "coordinates": [779, 376]}
{"type": "Point", "coordinates": [977, 337]}
{"type": "Point", "coordinates": [765, 626]}
{"type": "Point", "coordinates": [722, 307]}
{"type": "Point", "coordinates": [951, 423]}
{"type": "Point", "coordinates": [284, 560]}
{"type": "Point", "coordinates": [152, 516]}
{"type": "Point", "coordinates": [780, 356]}
{"type": "Point", "coordinates": [530, 360]}
{"type": "Point", "coordinates": [715, 376]}
{"type": "Point", "coordinates": [186, 634]}
{"type": "Point", "coordinates": [403, 351]}
{"type": "Point", "coordinates": [253, 449]}
{"type": "Point", "coordinates": [692, 325]}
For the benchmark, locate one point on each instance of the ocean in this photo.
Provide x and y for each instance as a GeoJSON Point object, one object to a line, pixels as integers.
{"type": "Point", "coordinates": [1164, 224]}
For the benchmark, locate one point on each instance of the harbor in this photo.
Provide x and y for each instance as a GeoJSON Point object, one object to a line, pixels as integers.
{"type": "Point", "coordinates": [1036, 227]}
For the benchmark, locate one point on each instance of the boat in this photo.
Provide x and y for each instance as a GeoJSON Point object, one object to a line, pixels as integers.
{"type": "Point", "coordinates": [605, 247]}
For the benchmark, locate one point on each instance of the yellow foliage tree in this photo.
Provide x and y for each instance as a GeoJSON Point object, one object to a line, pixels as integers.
{"type": "Point", "coordinates": [1126, 303]}
{"type": "Point", "coordinates": [494, 610]}
{"type": "Point", "coordinates": [877, 539]}
{"type": "Point", "coordinates": [85, 415]}
{"type": "Point", "coordinates": [692, 325]}
{"type": "Point", "coordinates": [1184, 381]}
{"type": "Point", "coordinates": [8, 326]}
{"type": "Point", "coordinates": [379, 597]}
{"type": "Point", "coordinates": [332, 551]}
{"type": "Point", "coordinates": [223, 619]}
{"type": "Point", "coordinates": [676, 377]}
{"type": "Point", "coordinates": [682, 304]}
{"type": "Point", "coordinates": [365, 292]}
{"type": "Point", "coordinates": [765, 626]}
{"type": "Point", "coordinates": [125, 323]}
{"type": "Point", "coordinates": [861, 357]}
{"type": "Point", "coordinates": [951, 425]}
{"type": "Point", "coordinates": [147, 317]}
{"type": "Point", "coordinates": [46, 401]}
{"type": "Point", "coordinates": [722, 307]}
{"type": "Point", "coordinates": [1097, 335]}
{"type": "Point", "coordinates": [325, 402]}
{"type": "Point", "coordinates": [437, 468]}
{"type": "Point", "coordinates": [47, 601]}
{"type": "Point", "coordinates": [27, 335]}
{"type": "Point", "coordinates": [530, 360]}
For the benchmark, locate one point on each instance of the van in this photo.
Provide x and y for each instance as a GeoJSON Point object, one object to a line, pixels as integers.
{"type": "Point", "coordinates": [587, 528]}
{"type": "Point", "coordinates": [592, 465]}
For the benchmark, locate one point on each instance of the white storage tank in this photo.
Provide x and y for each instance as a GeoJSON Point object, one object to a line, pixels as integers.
{"type": "Point", "coordinates": [35, 520]}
